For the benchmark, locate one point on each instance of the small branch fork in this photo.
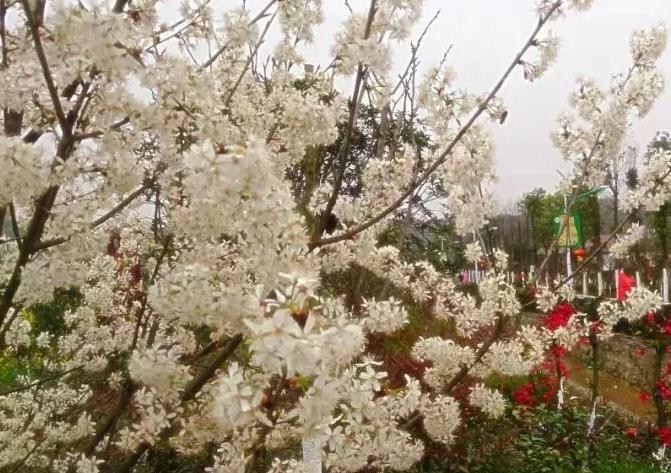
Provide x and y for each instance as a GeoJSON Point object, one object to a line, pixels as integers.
{"type": "Point", "coordinates": [343, 152]}
{"type": "Point", "coordinates": [127, 464]}
{"type": "Point", "coordinates": [352, 232]}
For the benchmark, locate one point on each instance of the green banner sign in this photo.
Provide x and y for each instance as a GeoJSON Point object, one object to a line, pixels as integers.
{"type": "Point", "coordinates": [570, 226]}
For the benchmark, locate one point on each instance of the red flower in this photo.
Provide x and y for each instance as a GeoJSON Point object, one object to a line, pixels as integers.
{"type": "Point", "coordinates": [664, 435]}
{"type": "Point", "coordinates": [524, 395]}
{"type": "Point", "coordinates": [559, 316]}
{"type": "Point", "coordinates": [558, 351]}
{"type": "Point", "coordinates": [549, 395]}
{"type": "Point", "coordinates": [625, 283]}
{"type": "Point", "coordinates": [663, 389]}
{"type": "Point", "coordinates": [667, 328]}
{"type": "Point", "coordinates": [668, 368]}
{"type": "Point", "coordinates": [632, 431]}
{"type": "Point", "coordinates": [650, 316]}
{"type": "Point", "coordinates": [563, 370]}
{"type": "Point", "coordinates": [644, 396]}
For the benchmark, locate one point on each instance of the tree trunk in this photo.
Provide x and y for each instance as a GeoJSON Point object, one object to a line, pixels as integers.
{"type": "Point", "coordinates": [661, 226]}
{"type": "Point", "coordinates": [662, 417]}
{"type": "Point", "coordinates": [616, 209]}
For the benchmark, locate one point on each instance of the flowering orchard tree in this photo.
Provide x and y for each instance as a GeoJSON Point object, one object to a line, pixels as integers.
{"type": "Point", "coordinates": [145, 164]}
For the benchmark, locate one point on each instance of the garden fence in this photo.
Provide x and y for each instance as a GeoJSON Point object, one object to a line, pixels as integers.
{"type": "Point", "coordinates": [589, 284]}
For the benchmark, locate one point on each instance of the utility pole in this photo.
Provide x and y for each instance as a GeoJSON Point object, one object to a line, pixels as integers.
{"type": "Point", "coordinates": [569, 270]}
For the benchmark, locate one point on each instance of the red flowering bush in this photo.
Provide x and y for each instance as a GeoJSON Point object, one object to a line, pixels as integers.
{"type": "Point", "coordinates": [559, 316]}
{"type": "Point", "coordinates": [525, 395]}
{"type": "Point", "coordinates": [654, 332]}
{"type": "Point", "coordinates": [664, 435]}
{"type": "Point", "coordinates": [544, 381]}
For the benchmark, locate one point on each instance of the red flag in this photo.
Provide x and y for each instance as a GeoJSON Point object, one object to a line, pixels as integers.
{"type": "Point", "coordinates": [624, 284]}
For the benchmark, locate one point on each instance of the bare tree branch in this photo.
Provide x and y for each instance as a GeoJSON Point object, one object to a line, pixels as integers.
{"type": "Point", "coordinates": [343, 152]}
{"type": "Point", "coordinates": [15, 225]}
{"type": "Point", "coordinates": [41, 381]}
{"type": "Point", "coordinates": [100, 220]}
{"type": "Point", "coordinates": [187, 395]}
{"type": "Point", "coordinates": [44, 64]}
{"type": "Point", "coordinates": [226, 45]}
{"type": "Point", "coordinates": [119, 5]}
{"type": "Point", "coordinates": [244, 70]}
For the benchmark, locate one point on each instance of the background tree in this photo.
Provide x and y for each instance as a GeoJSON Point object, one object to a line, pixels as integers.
{"type": "Point", "coordinates": [619, 168]}
{"type": "Point", "coordinates": [659, 220]}
{"type": "Point", "coordinates": [541, 209]}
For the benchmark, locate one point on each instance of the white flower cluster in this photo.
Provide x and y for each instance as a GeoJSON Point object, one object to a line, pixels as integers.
{"type": "Point", "coordinates": [37, 424]}
{"type": "Point", "coordinates": [442, 417]}
{"type": "Point", "coordinates": [473, 252]}
{"type": "Point", "coordinates": [648, 46]}
{"type": "Point", "coordinates": [490, 401]}
{"type": "Point", "coordinates": [654, 189]}
{"type": "Point", "coordinates": [638, 303]}
{"type": "Point", "coordinates": [361, 40]}
{"type": "Point", "coordinates": [159, 369]}
{"type": "Point", "coordinates": [238, 27]}
{"type": "Point", "coordinates": [625, 242]}
{"type": "Point", "coordinates": [24, 172]}
{"type": "Point", "coordinates": [154, 418]}
{"type": "Point", "coordinates": [544, 6]}
{"type": "Point", "coordinates": [547, 51]}
{"type": "Point", "coordinates": [18, 332]}
{"type": "Point", "coordinates": [369, 425]}
{"type": "Point", "coordinates": [280, 344]}
{"type": "Point", "coordinates": [384, 316]}
{"type": "Point", "coordinates": [234, 401]}
{"type": "Point", "coordinates": [446, 357]}
{"type": "Point", "coordinates": [514, 357]}
{"type": "Point", "coordinates": [383, 181]}
{"type": "Point", "coordinates": [229, 459]}
{"type": "Point", "coordinates": [546, 299]}
{"type": "Point", "coordinates": [593, 131]}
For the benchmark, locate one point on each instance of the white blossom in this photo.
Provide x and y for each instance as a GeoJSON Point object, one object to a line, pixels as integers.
{"type": "Point", "coordinates": [490, 401]}
{"type": "Point", "coordinates": [442, 417]}
{"type": "Point", "coordinates": [473, 252]}
{"type": "Point", "coordinates": [624, 243]}
{"type": "Point", "coordinates": [385, 316]}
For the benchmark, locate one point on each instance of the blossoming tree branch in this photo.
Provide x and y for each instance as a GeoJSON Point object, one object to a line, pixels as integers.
{"type": "Point", "coordinates": [200, 197]}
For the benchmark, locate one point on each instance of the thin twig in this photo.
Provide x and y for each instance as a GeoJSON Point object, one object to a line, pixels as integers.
{"type": "Point", "coordinates": [226, 45]}
{"type": "Point", "coordinates": [41, 381]}
{"type": "Point", "coordinates": [343, 152]}
{"type": "Point", "coordinates": [15, 225]}
{"type": "Point", "coordinates": [244, 70]}
{"type": "Point", "coordinates": [44, 63]}
{"type": "Point", "coordinates": [100, 220]}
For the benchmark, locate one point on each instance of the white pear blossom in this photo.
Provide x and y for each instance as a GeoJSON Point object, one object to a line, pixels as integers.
{"type": "Point", "coordinates": [473, 252]}
{"type": "Point", "coordinates": [204, 196]}
{"type": "Point", "coordinates": [385, 316]}
{"type": "Point", "coordinates": [624, 243]}
{"type": "Point", "coordinates": [441, 418]}
{"type": "Point", "coordinates": [490, 401]}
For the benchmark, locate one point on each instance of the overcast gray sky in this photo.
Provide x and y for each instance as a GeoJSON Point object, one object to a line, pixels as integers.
{"type": "Point", "coordinates": [486, 34]}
